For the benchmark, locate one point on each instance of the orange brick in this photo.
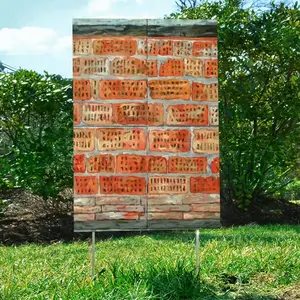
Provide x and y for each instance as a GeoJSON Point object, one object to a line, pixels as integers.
{"type": "Point", "coordinates": [170, 89]}
{"type": "Point", "coordinates": [124, 185]}
{"type": "Point", "coordinates": [84, 139]}
{"type": "Point", "coordinates": [168, 185]}
{"type": "Point", "coordinates": [81, 89]}
{"type": "Point", "coordinates": [76, 66]}
{"type": "Point", "coordinates": [86, 185]}
{"type": "Point", "coordinates": [97, 66]}
{"type": "Point", "coordinates": [123, 89]}
{"type": "Point", "coordinates": [200, 215]}
{"type": "Point", "coordinates": [183, 48]}
{"type": "Point", "coordinates": [103, 163]}
{"type": "Point", "coordinates": [193, 67]}
{"type": "Point", "coordinates": [206, 207]}
{"type": "Point", "coordinates": [94, 88]}
{"type": "Point", "coordinates": [76, 113]}
{"type": "Point", "coordinates": [82, 46]}
{"type": "Point", "coordinates": [205, 48]}
{"type": "Point", "coordinates": [84, 217]}
{"type": "Point", "coordinates": [205, 92]}
{"type": "Point", "coordinates": [114, 47]}
{"type": "Point", "coordinates": [206, 141]}
{"type": "Point", "coordinates": [187, 114]}
{"type": "Point", "coordinates": [110, 139]}
{"type": "Point", "coordinates": [188, 165]}
{"type": "Point", "coordinates": [211, 68]}
{"type": "Point", "coordinates": [169, 140]}
{"type": "Point", "coordinates": [208, 185]}
{"type": "Point", "coordinates": [215, 165]}
{"type": "Point", "coordinates": [118, 216]}
{"type": "Point", "coordinates": [155, 47]}
{"type": "Point", "coordinates": [213, 116]}
{"type": "Point", "coordinates": [97, 113]}
{"type": "Point", "coordinates": [86, 209]}
{"type": "Point", "coordinates": [172, 67]}
{"type": "Point", "coordinates": [79, 163]}
{"type": "Point", "coordinates": [165, 216]}
{"type": "Point", "coordinates": [157, 164]}
{"type": "Point", "coordinates": [139, 113]}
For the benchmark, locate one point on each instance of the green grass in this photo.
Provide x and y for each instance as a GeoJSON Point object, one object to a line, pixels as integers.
{"type": "Point", "coordinates": [252, 262]}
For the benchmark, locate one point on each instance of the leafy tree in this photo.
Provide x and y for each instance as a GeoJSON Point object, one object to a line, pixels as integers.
{"type": "Point", "coordinates": [259, 78]}
{"type": "Point", "coordinates": [35, 132]}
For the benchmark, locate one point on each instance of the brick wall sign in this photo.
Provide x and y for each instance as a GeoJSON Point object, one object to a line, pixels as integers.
{"type": "Point", "coordinates": [146, 140]}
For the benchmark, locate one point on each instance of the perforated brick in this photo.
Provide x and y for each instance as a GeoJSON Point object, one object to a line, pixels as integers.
{"type": "Point", "coordinates": [183, 48]}
{"type": "Point", "coordinates": [213, 116]}
{"type": "Point", "coordinates": [123, 89]}
{"type": "Point", "coordinates": [76, 113]}
{"type": "Point", "coordinates": [157, 164]}
{"type": "Point", "coordinates": [84, 139]}
{"type": "Point", "coordinates": [139, 113]}
{"type": "Point", "coordinates": [79, 163]}
{"type": "Point", "coordinates": [193, 67]}
{"type": "Point", "coordinates": [205, 92]}
{"type": "Point", "coordinates": [187, 114]}
{"type": "Point", "coordinates": [205, 48]}
{"type": "Point", "coordinates": [155, 47]}
{"type": "Point", "coordinates": [76, 66]}
{"type": "Point", "coordinates": [171, 67]}
{"type": "Point", "coordinates": [211, 68]}
{"type": "Point", "coordinates": [86, 185]}
{"type": "Point", "coordinates": [170, 89]}
{"type": "Point", "coordinates": [124, 185]}
{"type": "Point", "coordinates": [103, 163]}
{"type": "Point", "coordinates": [95, 66]}
{"type": "Point", "coordinates": [169, 140]}
{"type": "Point", "coordinates": [114, 47]}
{"type": "Point", "coordinates": [168, 185]}
{"type": "Point", "coordinates": [206, 141]}
{"type": "Point", "coordinates": [81, 89]}
{"type": "Point", "coordinates": [215, 165]}
{"type": "Point", "coordinates": [94, 89]}
{"type": "Point", "coordinates": [82, 46]}
{"type": "Point", "coordinates": [97, 113]}
{"type": "Point", "coordinates": [207, 185]}
{"type": "Point", "coordinates": [189, 165]}
{"type": "Point", "coordinates": [121, 139]}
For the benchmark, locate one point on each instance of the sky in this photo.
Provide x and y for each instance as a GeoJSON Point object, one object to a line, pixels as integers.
{"type": "Point", "coordinates": [37, 34]}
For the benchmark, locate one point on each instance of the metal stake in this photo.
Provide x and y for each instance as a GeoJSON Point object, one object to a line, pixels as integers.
{"type": "Point", "coordinates": [197, 251]}
{"type": "Point", "coordinates": [93, 254]}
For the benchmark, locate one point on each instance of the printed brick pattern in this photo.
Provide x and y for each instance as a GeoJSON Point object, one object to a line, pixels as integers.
{"type": "Point", "coordinates": [127, 165]}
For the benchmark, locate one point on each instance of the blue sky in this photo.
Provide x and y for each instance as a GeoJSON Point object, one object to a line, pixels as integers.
{"type": "Point", "coordinates": [37, 34]}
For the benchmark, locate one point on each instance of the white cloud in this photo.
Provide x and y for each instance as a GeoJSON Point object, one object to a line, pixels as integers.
{"type": "Point", "coordinates": [32, 40]}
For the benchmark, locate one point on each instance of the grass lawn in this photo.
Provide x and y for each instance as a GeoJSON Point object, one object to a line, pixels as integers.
{"type": "Point", "coordinates": [251, 262]}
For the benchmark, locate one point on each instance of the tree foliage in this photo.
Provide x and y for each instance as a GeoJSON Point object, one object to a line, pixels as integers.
{"type": "Point", "coordinates": [35, 132]}
{"type": "Point", "coordinates": [259, 79]}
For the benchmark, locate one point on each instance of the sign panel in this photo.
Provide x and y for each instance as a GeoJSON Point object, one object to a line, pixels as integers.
{"type": "Point", "coordinates": [146, 140]}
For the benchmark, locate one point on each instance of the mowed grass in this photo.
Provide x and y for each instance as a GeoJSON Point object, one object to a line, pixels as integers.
{"type": "Point", "coordinates": [251, 262]}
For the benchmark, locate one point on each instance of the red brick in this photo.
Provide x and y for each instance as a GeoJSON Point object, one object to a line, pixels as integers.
{"type": "Point", "coordinates": [183, 48]}
{"type": "Point", "coordinates": [165, 199]}
{"type": "Point", "coordinates": [165, 216]}
{"type": "Point", "coordinates": [211, 68]}
{"type": "Point", "coordinates": [200, 215]}
{"type": "Point", "coordinates": [124, 208]}
{"type": "Point", "coordinates": [86, 209]}
{"type": "Point", "coordinates": [187, 165]}
{"type": "Point", "coordinates": [117, 216]}
{"type": "Point", "coordinates": [155, 47]}
{"type": "Point", "coordinates": [206, 207]}
{"type": "Point", "coordinates": [120, 200]}
{"type": "Point", "coordinates": [94, 88]}
{"type": "Point", "coordinates": [123, 185]}
{"type": "Point", "coordinates": [103, 163]}
{"type": "Point", "coordinates": [121, 139]}
{"type": "Point", "coordinates": [81, 89]}
{"type": "Point", "coordinates": [86, 185]}
{"type": "Point", "coordinates": [201, 198]}
{"type": "Point", "coordinates": [76, 66]}
{"type": "Point", "coordinates": [139, 113]}
{"type": "Point", "coordinates": [205, 92]}
{"type": "Point", "coordinates": [84, 201]}
{"type": "Point", "coordinates": [170, 89]}
{"type": "Point", "coordinates": [206, 141]}
{"type": "Point", "coordinates": [123, 89]}
{"type": "Point", "coordinates": [187, 114]}
{"type": "Point", "coordinates": [171, 67]}
{"type": "Point", "coordinates": [124, 47]}
{"type": "Point", "coordinates": [97, 113]}
{"type": "Point", "coordinates": [193, 67]}
{"type": "Point", "coordinates": [96, 66]}
{"type": "Point", "coordinates": [84, 139]}
{"type": "Point", "coordinates": [213, 116]}
{"type": "Point", "coordinates": [81, 46]}
{"type": "Point", "coordinates": [128, 163]}
{"type": "Point", "coordinates": [79, 163]}
{"type": "Point", "coordinates": [168, 208]}
{"type": "Point", "coordinates": [168, 185]}
{"type": "Point", "coordinates": [215, 165]}
{"type": "Point", "coordinates": [205, 48]}
{"type": "Point", "coordinates": [169, 140]}
{"type": "Point", "coordinates": [208, 185]}
{"type": "Point", "coordinates": [76, 113]}
{"type": "Point", "coordinates": [84, 217]}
